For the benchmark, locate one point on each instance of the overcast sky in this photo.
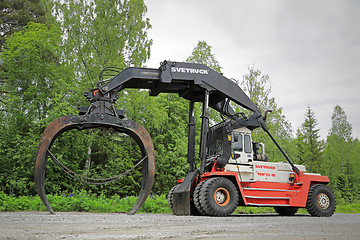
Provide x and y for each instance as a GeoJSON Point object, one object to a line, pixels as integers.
{"type": "Point", "coordinates": [309, 48]}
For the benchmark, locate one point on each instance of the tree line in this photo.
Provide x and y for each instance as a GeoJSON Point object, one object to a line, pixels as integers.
{"type": "Point", "coordinates": [51, 51]}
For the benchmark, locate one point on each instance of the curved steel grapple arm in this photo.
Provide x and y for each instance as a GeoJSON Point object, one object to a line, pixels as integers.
{"type": "Point", "coordinates": [65, 123]}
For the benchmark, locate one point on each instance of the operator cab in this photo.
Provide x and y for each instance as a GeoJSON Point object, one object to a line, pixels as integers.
{"type": "Point", "coordinates": [241, 146]}
{"type": "Point", "coordinates": [235, 146]}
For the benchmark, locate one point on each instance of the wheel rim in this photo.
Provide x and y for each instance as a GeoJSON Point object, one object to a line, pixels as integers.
{"type": "Point", "coordinates": [323, 201]}
{"type": "Point", "coordinates": [221, 196]}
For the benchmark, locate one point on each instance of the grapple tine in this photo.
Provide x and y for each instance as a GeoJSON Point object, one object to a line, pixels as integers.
{"type": "Point", "coordinates": [148, 170]}
{"type": "Point", "coordinates": [65, 123]}
{"type": "Point", "coordinates": [54, 129]}
{"type": "Point", "coordinates": [146, 186]}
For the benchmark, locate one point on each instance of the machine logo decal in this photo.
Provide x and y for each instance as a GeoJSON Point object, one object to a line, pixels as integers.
{"type": "Point", "coordinates": [265, 167]}
{"type": "Point", "coordinates": [190, 70]}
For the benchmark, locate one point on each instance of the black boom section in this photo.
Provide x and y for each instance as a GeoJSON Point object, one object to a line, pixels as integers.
{"type": "Point", "coordinates": [220, 87]}
{"type": "Point", "coordinates": [189, 80]}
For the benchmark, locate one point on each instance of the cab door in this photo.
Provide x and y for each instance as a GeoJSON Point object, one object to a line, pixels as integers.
{"type": "Point", "coordinates": [241, 151]}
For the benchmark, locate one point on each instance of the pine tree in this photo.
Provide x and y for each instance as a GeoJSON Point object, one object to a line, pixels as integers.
{"type": "Point", "coordinates": [15, 15]}
{"type": "Point", "coordinates": [308, 143]}
{"type": "Point", "coordinates": [340, 154]}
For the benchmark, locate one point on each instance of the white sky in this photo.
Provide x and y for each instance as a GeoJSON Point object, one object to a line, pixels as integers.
{"type": "Point", "coordinates": [309, 48]}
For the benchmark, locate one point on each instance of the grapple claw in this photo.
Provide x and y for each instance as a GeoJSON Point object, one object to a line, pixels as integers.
{"type": "Point", "coordinates": [66, 123]}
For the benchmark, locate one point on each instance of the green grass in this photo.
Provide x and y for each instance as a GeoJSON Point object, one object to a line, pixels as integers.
{"type": "Point", "coordinates": [87, 202]}
{"type": "Point", "coordinates": [340, 208]}
{"type": "Point", "coordinates": [348, 208]}
{"type": "Point", "coordinates": [254, 210]}
{"type": "Point", "coordinates": [83, 202]}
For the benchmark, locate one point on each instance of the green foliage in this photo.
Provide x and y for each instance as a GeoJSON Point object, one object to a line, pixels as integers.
{"type": "Point", "coordinates": [31, 68]}
{"type": "Point", "coordinates": [165, 117]}
{"type": "Point", "coordinates": [17, 14]}
{"type": "Point", "coordinates": [341, 156]}
{"type": "Point", "coordinates": [100, 33]}
{"type": "Point", "coordinates": [348, 208]}
{"type": "Point", "coordinates": [83, 201]}
{"type": "Point", "coordinates": [36, 83]}
{"type": "Point", "coordinates": [202, 54]}
{"type": "Point", "coordinates": [344, 188]}
{"type": "Point", "coordinates": [308, 143]}
{"type": "Point", "coordinates": [339, 124]}
{"type": "Point", "coordinates": [253, 210]}
{"type": "Point", "coordinates": [257, 87]}
{"type": "Point", "coordinates": [45, 69]}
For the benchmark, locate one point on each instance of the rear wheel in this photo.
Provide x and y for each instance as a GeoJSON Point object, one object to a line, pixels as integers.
{"type": "Point", "coordinates": [321, 201]}
{"type": "Point", "coordinates": [216, 197]}
{"type": "Point", "coordinates": [286, 211]}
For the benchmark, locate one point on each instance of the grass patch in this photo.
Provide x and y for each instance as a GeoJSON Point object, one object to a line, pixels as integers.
{"type": "Point", "coordinates": [83, 202]}
{"type": "Point", "coordinates": [340, 208]}
{"type": "Point", "coordinates": [348, 208]}
{"type": "Point", "coordinates": [87, 202]}
{"type": "Point", "coordinates": [254, 210]}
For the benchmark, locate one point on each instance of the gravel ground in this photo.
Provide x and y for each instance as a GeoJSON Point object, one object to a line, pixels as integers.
{"type": "Point", "coordinates": [74, 225]}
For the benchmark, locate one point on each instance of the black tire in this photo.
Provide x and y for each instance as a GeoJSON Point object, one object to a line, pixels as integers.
{"type": "Point", "coordinates": [286, 211]}
{"type": "Point", "coordinates": [196, 198]}
{"type": "Point", "coordinates": [321, 201]}
{"type": "Point", "coordinates": [170, 196]}
{"type": "Point", "coordinates": [216, 197]}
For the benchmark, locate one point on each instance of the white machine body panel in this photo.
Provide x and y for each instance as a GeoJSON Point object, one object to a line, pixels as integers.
{"type": "Point", "coordinates": [242, 162]}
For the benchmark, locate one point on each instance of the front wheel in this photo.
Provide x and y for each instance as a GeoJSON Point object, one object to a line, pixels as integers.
{"type": "Point", "coordinates": [216, 197]}
{"type": "Point", "coordinates": [321, 201]}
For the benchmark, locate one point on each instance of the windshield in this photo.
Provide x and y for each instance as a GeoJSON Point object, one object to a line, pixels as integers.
{"type": "Point", "coordinates": [215, 142]}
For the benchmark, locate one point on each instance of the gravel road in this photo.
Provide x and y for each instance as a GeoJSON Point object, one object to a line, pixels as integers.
{"type": "Point", "coordinates": [65, 225]}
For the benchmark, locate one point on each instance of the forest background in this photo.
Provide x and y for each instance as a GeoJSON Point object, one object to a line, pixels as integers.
{"type": "Point", "coordinates": [51, 51]}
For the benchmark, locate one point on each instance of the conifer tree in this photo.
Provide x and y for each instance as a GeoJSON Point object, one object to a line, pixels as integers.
{"type": "Point", "coordinates": [308, 143]}
{"type": "Point", "coordinates": [14, 15]}
{"type": "Point", "coordinates": [341, 156]}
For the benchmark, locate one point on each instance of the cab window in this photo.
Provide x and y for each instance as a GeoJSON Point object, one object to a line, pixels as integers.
{"type": "Point", "coordinates": [237, 144]}
{"type": "Point", "coordinates": [247, 144]}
